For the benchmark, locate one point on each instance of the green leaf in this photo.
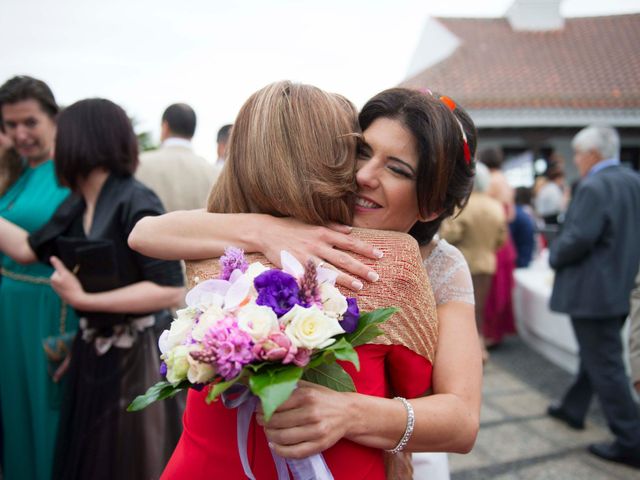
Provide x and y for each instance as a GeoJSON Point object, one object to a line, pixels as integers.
{"type": "Point", "coordinates": [342, 350]}
{"type": "Point", "coordinates": [159, 391]}
{"type": "Point", "coordinates": [274, 386]}
{"type": "Point", "coordinates": [367, 326]}
{"type": "Point", "coordinates": [332, 376]}
{"type": "Point", "coordinates": [220, 387]}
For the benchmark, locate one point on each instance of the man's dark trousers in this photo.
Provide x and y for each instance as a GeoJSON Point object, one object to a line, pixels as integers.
{"type": "Point", "coordinates": [602, 372]}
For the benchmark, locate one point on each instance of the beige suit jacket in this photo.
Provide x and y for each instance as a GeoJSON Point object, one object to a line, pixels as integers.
{"type": "Point", "coordinates": [634, 336]}
{"type": "Point", "coordinates": [179, 177]}
{"type": "Point", "coordinates": [479, 230]}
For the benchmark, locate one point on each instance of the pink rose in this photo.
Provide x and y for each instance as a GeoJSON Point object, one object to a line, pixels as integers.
{"type": "Point", "coordinates": [302, 357]}
{"type": "Point", "coordinates": [277, 346]}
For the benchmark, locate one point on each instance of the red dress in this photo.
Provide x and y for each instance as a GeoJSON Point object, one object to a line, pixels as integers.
{"type": "Point", "coordinates": [208, 449]}
{"type": "Point", "coordinates": [498, 311]}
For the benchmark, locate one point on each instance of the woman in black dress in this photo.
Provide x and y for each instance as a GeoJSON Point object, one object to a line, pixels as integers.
{"type": "Point", "coordinates": [116, 292]}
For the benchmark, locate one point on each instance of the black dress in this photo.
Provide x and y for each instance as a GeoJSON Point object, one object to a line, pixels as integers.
{"type": "Point", "coordinates": [114, 357]}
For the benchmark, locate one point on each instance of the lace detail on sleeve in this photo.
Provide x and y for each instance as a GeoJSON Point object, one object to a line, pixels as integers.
{"type": "Point", "coordinates": [449, 274]}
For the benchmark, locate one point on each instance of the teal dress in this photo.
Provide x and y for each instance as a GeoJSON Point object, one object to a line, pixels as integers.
{"type": "Point", "coordinates": [29, 312]}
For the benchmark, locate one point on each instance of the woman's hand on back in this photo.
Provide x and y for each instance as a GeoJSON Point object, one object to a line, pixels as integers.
{"type": "Point", "coordinates": [331, 245]}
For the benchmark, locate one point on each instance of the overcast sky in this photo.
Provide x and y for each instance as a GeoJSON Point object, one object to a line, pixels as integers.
{"type": "Point", "coordinates": [147, 54]}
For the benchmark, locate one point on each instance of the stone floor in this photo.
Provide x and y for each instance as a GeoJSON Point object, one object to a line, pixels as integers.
{"type": "Point", "coordinates": [517, 439]}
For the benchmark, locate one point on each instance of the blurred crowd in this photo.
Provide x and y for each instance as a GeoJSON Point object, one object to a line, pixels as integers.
{"type": "Point", "coordinates": [52, 403]}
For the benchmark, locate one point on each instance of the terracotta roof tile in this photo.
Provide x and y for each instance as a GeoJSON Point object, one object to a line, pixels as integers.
{"type": "Point", "coordinates": [591, 63]}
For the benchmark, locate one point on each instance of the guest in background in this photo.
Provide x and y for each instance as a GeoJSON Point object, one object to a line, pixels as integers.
{"type": "Point", "coordinates": [634, 337]}
{"type": "Point", "coordinates": [30, 310]}
{"type": "Point", "coordinates": [551, 200]}
{"type": "Point", "coordinates": [498, 313]}
{"type": "Point", "coordinates": [222, 139]}
{"type": "Point", "coordinates": [114, 356]}
{"type": "Point", "coordinates": [174, 172]}
{"type": "Point", "coordinates": [478, 232]}
{"type": "Point", "coordinates": [523, 228]}
{"type": "Point", "coordinates": [596, 258]}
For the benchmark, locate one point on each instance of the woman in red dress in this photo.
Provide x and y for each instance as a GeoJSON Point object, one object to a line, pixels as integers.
{"type": "Point", "coordinates": [316, 419]}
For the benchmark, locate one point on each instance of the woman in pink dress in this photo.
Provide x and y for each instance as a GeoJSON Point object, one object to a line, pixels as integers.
{"type": "Point", "coordinates": [498, 312]}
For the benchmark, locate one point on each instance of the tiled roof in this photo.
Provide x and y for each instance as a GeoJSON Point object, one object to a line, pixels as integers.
{"type": "Point", "coordinates": [592, 63]}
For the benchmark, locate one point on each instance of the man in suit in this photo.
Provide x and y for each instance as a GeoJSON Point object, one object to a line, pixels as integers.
{"type": "Point", "coordinates": [596, 257]}
{"type": "Point", "coordinates": [179, 177]}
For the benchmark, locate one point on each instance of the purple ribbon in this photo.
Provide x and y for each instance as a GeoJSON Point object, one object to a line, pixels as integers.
{"type": "Point", "coordinates": [310, 468]}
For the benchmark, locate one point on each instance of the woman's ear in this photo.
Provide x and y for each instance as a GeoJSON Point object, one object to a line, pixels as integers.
{"type": "Point", "coordinates": [428, 218]}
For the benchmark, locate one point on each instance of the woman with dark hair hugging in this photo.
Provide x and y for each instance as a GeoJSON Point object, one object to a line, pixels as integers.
{"type": "Point", "coordinates": [115, 291]}
{"type": "Point", "coordinates": [414, 167]}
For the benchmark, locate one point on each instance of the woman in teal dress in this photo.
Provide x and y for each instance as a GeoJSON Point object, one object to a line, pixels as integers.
{"type": "Point", "coordinates": [29, 309]}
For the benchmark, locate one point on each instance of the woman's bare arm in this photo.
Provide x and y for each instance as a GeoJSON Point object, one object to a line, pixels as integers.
{"type": "Point", "coordinates": [14, 244]}
{"type": "Point", "coordinates": [197, 234]}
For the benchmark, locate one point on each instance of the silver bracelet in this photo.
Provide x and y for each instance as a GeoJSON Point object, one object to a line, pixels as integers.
{"type": "Point", "coordinates": [408, 431]}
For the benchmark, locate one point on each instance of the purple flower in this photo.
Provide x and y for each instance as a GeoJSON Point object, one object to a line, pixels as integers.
{"type": "Point", "coordinates": [277, 290]}
{"type": "Point", "coordinates": [163, 369]}
{"type": "Point", "coordinates": [309, 289]}
{"type": "Point", "coordinates": [350, 318]}
{"type": "Point", "coordinates": [233, 259]}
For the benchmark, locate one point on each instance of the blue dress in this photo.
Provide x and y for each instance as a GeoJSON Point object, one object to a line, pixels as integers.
{"type": "Point", "coordinates": [29, 312]}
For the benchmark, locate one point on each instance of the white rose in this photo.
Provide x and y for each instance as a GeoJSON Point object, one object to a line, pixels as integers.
{"type": "Point", "coordinates": [208, 319]}
{"type": "Point", "coordinates": [199, 372]}
{"type": "Point", "coordinates": [333, 302]}
{"type": "Point", "coordinates": [311, 328]}
{"type": "Point", "coordinates": [177, 361]}
{"type": "Point", "coordinates": [257, 320]}
{"type": "Point", "coordinates": [180, 328]}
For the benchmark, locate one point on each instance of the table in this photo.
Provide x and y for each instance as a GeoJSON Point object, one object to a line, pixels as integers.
{"type": "Point", "coordinates": [547, 332]}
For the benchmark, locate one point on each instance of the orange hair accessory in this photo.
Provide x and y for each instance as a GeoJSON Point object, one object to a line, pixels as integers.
{"type": "Point", "coordinates": [452, 106]}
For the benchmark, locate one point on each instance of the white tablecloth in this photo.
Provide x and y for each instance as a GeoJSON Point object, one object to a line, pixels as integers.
{"type": "Point", "coordinates": [545, 331]}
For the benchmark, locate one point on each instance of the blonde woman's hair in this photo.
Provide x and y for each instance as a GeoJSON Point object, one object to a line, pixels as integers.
{"type": "Point", "coordinates": [291, 153]}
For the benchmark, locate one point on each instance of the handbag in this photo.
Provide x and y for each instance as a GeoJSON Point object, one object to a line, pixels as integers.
{"type": "Point", "coordinates": [94, 263]}
{"type": "Point", "coordinates": [56, 347]}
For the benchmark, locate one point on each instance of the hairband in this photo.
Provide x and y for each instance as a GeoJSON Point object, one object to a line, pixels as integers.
{"type": "Point", "coordinates": [452, 106]}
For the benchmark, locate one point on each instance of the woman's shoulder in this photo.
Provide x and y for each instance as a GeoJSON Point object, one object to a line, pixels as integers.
{"type": "Point", "coordinates": [383, 235]}
{"type": "Point", "coordinates": [209, 268]}
{"type": "Point", "coordinates": [445, 249]}
{"type": "Point", "coordinates": [449, 274]}
{"type": "Point", "coordinates": [395, 244]}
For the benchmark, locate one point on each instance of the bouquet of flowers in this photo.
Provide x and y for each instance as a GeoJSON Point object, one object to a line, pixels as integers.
{"type": "Point", "coordinates": [261, 330]}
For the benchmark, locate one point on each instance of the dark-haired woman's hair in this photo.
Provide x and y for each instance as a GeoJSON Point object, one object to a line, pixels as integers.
{"type": "Point", "coordinates": [22, 87]}
{"type": "Point", "coordinates": [94, 133]}
{"type": "Point", "coordinates": [444, 178]}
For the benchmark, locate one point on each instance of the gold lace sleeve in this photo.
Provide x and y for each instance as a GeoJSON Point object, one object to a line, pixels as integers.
{"type": "Point", "coordinates": [403, 283]}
